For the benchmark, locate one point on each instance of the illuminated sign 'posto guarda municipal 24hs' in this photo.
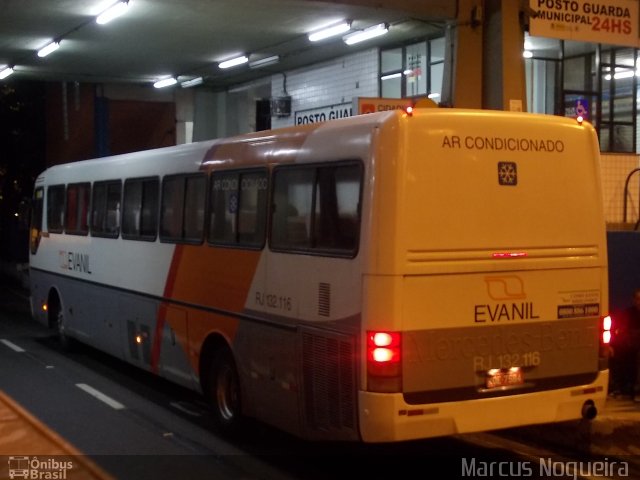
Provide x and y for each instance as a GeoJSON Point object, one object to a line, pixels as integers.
{"type": "Point", "coordinates": [600, 16]}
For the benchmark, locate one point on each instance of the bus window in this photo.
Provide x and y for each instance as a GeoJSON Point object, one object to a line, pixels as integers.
{"type": "Point", "coordinates": [317, 208]}
{"type": "Point", "coordinates": [182, 211]}
{"type": "Point", "coordinates": [238, 208]}
{"type": "Point", "coordinates": [35, 232]}
{"type": "Point", "coordinates": [77, 209]}
{"type": "Point", "coordinates": [140, 209]}
{"type": "Point", "coordinates": [105, 215]}
{"type": "Point", "coordinates": [55, 208]}
{"type": "Point", "coordinates": [194, 203]}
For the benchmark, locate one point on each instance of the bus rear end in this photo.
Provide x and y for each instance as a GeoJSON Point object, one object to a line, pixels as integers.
{"type": "Point", "coordinates": [484, 308]}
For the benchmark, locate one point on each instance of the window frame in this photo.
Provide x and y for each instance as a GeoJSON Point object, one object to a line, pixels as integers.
{"type": "Point", "coordinates": [83, 232]}
{"type": "Point", "coordinates": [312, 250]}
{"type": "Point", "coordinates": [61, 208]}
{"type": "Point", "coordinates": [263, 216]}
{"type": "Point", "coordinates": [106, 183]}
{"type": "Point", "coordinates": [140, 236]}
{"type": "Point", "coordinates": [185, 177]}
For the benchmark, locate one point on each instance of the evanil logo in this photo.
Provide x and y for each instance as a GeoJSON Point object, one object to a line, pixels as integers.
{"type": "Point", "coordinates": [38, 469]}
{"type": "Point", "coordinates": [509, 301]}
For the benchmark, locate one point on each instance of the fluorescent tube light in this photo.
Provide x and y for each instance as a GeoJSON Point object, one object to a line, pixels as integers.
{"type": "Point", "coordinates": [233, 62]}
{"type": "Point", "coordinates": [165, 82]}
{"type": "Point", "coordinates": [52, 47]}
{"type": "Point", "coordinates": [330, 31]}
{"type": "Point", "coordinates": [391, 76]}
{"type": "Point", "coordinates": [366, 34]}
{"type": "Point", "coordinates": [263, 62]}
{"type": "Point", "coordinates": [192, 83]}
{"type": "Point", "coordinates": [5, 73]}
{"type": "Point", "coordinates": [112, 12]}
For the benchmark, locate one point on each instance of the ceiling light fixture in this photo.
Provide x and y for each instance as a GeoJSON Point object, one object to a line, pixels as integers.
{"type": "Point", "coordinates": [112, 12]}
{"type": "Point", "coordinates": [330, 31]}
{"type": "Point", "coordinates": [263, 62]}
{"type": "Point", "coordinates": [165, 82]}
{"type": "Point", "coordinates": [391, 76]}
{"type": "Point", "coordinates": [366, 34]}
{"type": "Point", "coordinates": [233, 62]}
{"type": "Point", "coordinates": [5, 72]}
{"type": "Point", "coordinates": [192, 83]}
{"type": "Point", "coordinates": [52, 47]}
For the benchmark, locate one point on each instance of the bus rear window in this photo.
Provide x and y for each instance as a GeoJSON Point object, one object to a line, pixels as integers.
{"type": "Point", "coordinates": [316, 209]}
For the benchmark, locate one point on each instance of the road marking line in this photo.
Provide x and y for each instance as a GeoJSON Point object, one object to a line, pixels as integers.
{"type": "Point", "coordinates": [12, 346]}
{"type": "Point", "coordinates": [100, 396]}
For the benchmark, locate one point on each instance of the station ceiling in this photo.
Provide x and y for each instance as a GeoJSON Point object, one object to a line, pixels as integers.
{"type": "Point", "coordinates": [188, 38]}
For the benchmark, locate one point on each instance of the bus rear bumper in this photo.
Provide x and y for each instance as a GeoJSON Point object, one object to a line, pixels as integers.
{"type": "Point", "coordinates": [388, 418]}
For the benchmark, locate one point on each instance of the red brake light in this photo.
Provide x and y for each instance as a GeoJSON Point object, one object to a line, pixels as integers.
{"type": "Point", "coordinates": [509, 254]}
{"type": "Point", "coordinates": [607, 323]}
{"type": "Point", "coordinates": [383, 347]}
{"type": "Point", "coordinates": [384, 361]}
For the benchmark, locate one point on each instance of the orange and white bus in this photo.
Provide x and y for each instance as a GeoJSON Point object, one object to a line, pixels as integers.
{"type": "Point", "coordinates": [380, 278]}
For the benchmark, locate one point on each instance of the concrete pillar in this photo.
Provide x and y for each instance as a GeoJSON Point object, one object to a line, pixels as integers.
{"type": "Point", "coordinates": [462, 82]}
{"type": "Point", "coordinates": [503, 77]}
{"type": "Point", "coordinates": [484, 67]}
{"type": "Point", "coordinates": [184, 99]}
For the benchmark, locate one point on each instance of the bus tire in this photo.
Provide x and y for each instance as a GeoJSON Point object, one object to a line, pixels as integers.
{"type": "Point", "coordinates": [224, 392]}
{"type": "Point", "coordinates": [64, 340]}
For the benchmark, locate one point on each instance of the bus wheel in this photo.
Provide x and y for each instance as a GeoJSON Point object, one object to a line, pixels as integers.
{"type": "Point", "coordinates": [224, 392]}
{"type": "Point", "coordinates": [65, 341]}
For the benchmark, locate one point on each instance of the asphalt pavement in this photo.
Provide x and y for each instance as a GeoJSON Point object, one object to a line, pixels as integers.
{"type": "Point", "coordinates": [614, 432]}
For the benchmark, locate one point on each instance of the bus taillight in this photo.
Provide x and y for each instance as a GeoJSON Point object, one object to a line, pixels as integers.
{"type": "Point", "coordinates": [605, 338]}
{"type": "Point", "coordinates": [384, 365]}
{"type": "Point", "coordinates": [606, 333]}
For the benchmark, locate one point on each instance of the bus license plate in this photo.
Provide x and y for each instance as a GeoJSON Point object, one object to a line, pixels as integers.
{"type": "Point", "coordinates": [504, 378]}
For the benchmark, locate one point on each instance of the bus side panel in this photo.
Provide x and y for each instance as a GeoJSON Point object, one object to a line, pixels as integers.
{"type": "Point", "coordinates": [267, 358]}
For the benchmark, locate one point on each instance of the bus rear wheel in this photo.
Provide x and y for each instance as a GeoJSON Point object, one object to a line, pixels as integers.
{"type": "Point", "coordinates": [61, 327]}
{"type": "Point", "coordinates": [224, 392]}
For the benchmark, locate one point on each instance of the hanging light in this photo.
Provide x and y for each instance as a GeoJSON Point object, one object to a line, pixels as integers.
{"type": "Point", "coordinates": [366, 34]}
{"type": "Point", "coordinates": [233, 62]}
{"type": "Point", "coordinates": [49, 48]}
{"type": "Point", "coordinates": [330, 31]}
{"type": "Point", "coordinates": [5, 72]}
{"type": "Point", "coordinates": [263, 62]}
{"type": "Point", "coordinates": [192, 83]}
{"type": "Point", "coordinates": [165, 82]}
{"type": "Point", "coordinates": [112, 12]}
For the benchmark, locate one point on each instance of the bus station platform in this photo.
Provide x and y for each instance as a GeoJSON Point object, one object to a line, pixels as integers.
{"type": "Point", "coordinates": [29, 449]}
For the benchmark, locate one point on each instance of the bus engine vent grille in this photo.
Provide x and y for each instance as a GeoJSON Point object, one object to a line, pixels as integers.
{"type": "Point", "coordinates": [324, 299]}
{"type": "Point", "coordinates": [329, 381]}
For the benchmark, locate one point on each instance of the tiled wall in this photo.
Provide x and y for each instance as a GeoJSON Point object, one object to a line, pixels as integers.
{"type": "Point", "coordinates": [339, 81]}
{"type": "Point", "coordinates": [615, 168]}
{"type": "Point", "coordinates": [330, 83]}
